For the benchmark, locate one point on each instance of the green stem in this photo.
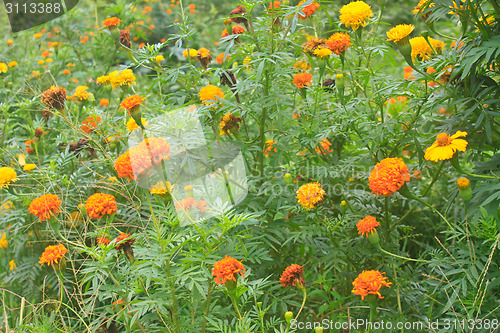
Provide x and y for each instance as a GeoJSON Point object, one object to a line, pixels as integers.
{"type": "Point", "coordinates": [304, 295]}
{"type": "Point", "coordinates": [396, 256]}
{"type": "Point", "coordinates": [235, 305]}
{"type": "Point", "coordinates": [207, 307]}
{"type": "Point", "coordinates": [174, 298]}
{"type": "Point", "coordinates": [435, 210]}
{"type": "Point", "coordinates": [434, 178]}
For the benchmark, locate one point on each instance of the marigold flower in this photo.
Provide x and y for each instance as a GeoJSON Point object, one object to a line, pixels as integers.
{"type": "Point", "coordinates": [302, 65]}
{"type": "Point", "coordinates": [308, 10]}
{"type": "Point", "coordinates": [161, 188]}
{"type": "Point", "coordinates": [322, 52]}
{"type": "Point", "coordinates": [28, 144]}
{"type": "Point", "coordinates": [12, 64]}
{"type": "Point", "coordinates": [423, 7]}
{"type": "Point", "coordinates": [229, 123]}
{"type": "Point", "coordinates": [237, 15]}
{"type": "Point", "coordinates": [237, 30]}
{"type": "Point", "coordinates": [131, 102]}
{"type": "Point", "coordinates": [210, 93]}
{"type": "Point", "coordinates": [312, 44]}
{"type": "Point", "coordinates": [269, 146]}
{"type": "Point", "coordinates": [3, 240]}
{"type": "Point", "coordinates": [123, 79]}
{"type": "Point", "coordinates": [323, 147]}
{"type": "Point", "coordinates": [52, 254]}
{"type": "Point", "coordinates": [132, 125]}
{"type": "Point", "coordinates": [221, 58]}
{"type": "Point", "coordinates": [446, 74]}
{"type": "Point", "coordinates": [367, 225]}
{"type": "Point", "coordinates": [292, 276]}
{"type": "Point", "coordinates": [190, 53]}
{"type": "Point", "coordinates": [445, 146]}
{"type": "Point", "coordinates": [29, 167]}
{"type": "Point", "coordinates": [111, 22]}
{"type": "Point", "coordinates": [369, 283]}
{"type": "Point", "coordinates": [338, 42]}
{"type": "Point", "coordinates": [399, 34]}
{"type": "Point", "coordinates": [388, 176]}
{"type": "Point", "coordinates": [302, 79]}
{"type": "Point", "coordinates": [104, 80]}
{"type": "Point", "coordinates": [7, 176]}
{"type": "Point", "coordinates": [104, 102]}
{"type": "Point", "coordinates": [204, 57]}
{"type": "Point", "coordinates": [45, 206]}
{"type": "Point", "coordinates": [143, 157]}
{"type": "Point", "coordinates": [103, 241]}
{"type": "Point", "coordinates": [100, 204]}
{"type": "Point", "coordinates": [309, 195]}
{"type": "Point", "coordinates": [125, 246]}
{"type": "Point", "coordinates": [54, 97]}
{"type": "Point", "coordinates": [226, 269]}
{"type": "Point", "coordinates": [3, 67]}
{"type": "Point", "coordinates": [90, 124]}
{"type": "Point", "coordinates": [125, 38]}
{"type": "Point", "coordinates": [123, 166]}
{"type": "Point", "coordinates": [274, 6]}
{"type": "Point", "coordinates": [421, 49]}
{"type": "Point", "coordinates": [355, 14]}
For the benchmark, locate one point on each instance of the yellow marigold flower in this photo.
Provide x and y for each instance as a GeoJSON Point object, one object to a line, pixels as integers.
{"type": "Point", "coordinates": [160, 188]}
{"type": "Point", "coordinates": [81, 94]}
{"type": "Point", "coordinates": [12, 264]}
{"type": "Point", "coordinates": [302, 65]}
{"type": "Point", "coordinates": [309, 195]}
{"type": "Point", "coordinates": [123, 79]}
{"type": "Point", "coordinates": [355, 14]}
{"type": "Point", "coordinates": [12, 64]}
{"type": "Point", "coordinates": [100, 204]}
{"type": "Point", "coordinates": [104, 80]}
{"type": "Point", "coordinates": [29, 167]}
{"type": "Point", "coordinates": [132, 125]}
{"type": "Point", "coordinates": [226, 269]}
{"type": "Point", "coordinates": [10, 42]}
{"type": "Point", "coordinates": [45, 206]}
{"type": "Point", "coordinates": [191, 53]}
{"type": "Point", "coordinates": [399, 34]}
{"type": "Point", "coordinates": [229, 123]}
{"type": "Point", "coordinates": [421, 49]}
{"type": "Point", "coordinates": [52, 254]}
{"type": "Point", "coordinates": [3, 68]}
{"type": "Point", "coordinates": [367, 225]}
{"type": "Point", "coordinates": [302, 79]}
{"type": "Point", "coordinates": [112, 180]}
{"type": "Point", "coordinates": [369, 283]}
{"type": "Point", "coordinates": [3, 240]}
{"type": "Point", "coordinates": [445, 146]}
{"type": "Point", "coordinates": [388, 176]}
{"type": "Point", "coordinates": [111, 22]}
{"type": "Point", "coordinates": [322, 52]}
{"type": "Point", "coordinates": [38, 35]}
{"type": "Point", "coordinates": [422, 7]}
{"type": "Point", "coordinates": [131, 102]}
{"type": "Point", "coordinates": [7, 176]}
{"type": "Point", "coordinates": [159, 58]}
{"type": "Point", "coordinates": [463, 183]}
{"type": "Point", "coordinates": [211, 93]}
{"type": "Point", "coordinates": [204, 57]}
{"type": "Point", "coordinates": [338, 42]}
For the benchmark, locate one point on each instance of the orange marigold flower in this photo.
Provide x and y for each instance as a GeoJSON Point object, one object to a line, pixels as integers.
{"type": "Point", "coordinates": [292, 276]}
{"type": "Point", "coordinates": [111, 22]}
{"type": "Point", "coordinates": [302, 79]}
{"type": "Point", "coordinates": [237, 30]}
{"type": "Point", "coordinates": [131, 102]}
{"type": "Point", "coordinates": [104, 102]}
{"type": "Point", "coordinates": [226, 269]}
{"type": "Point", "coordinates": [445, 146]}
{"type": "Point", "coordinates": [210, 93]}
{"type": "Point", "coordinates": [123, 166]}
{"type": "Point", "coordinates": [274, 6]}
{"type": "Point", "coordinates": [269, 147]}
{"type": "Point", "coordinates": [143, 157]}
{"type": "Point", "coordinates": [54, 97]}
{"type": "Point", "coordinates": [323, 147]}
{"type": "Point", "coordinates": [355, 14]}
{"type": "Point", "coordinates": [369, 283]}
{"type": "Point", "coordinates": [45, 206]}
{"type": "Point", "coordinates": [367, 225]}
{"type": "Point", "coordinates": [100, 204]}
{"type": "Point", "coordinates": [308, 10]}
{"type": "Point", "coordinates": [463, 183]}
{"type": "Point", "coordinates": [221, 58]}
{"type": "Point", "coordinates": [309, 195]}
{"type": "Point", "coordinates": [338, 42]}
{"type": "Point", "coordinates": [185, 203]}
{"type": "Point", "coordinates": [388, 176]}
{"type": "Point", "coordinates": [90, 123]}
{"type": "Point", "coordinates": [122, 237]}
{"type": "Point", "coordinates": [103, 240]}
{"type": "Point", "coordinates": [52, 254]}
{"type": "Point", "coordinates": [28, 144]}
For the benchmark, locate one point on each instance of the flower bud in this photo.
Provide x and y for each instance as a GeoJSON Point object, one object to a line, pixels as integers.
{"type": "Point", "coordinates": [464, 188]}
{"type": "Point", "coordinates": [288, 317]}
{"type": "Point", "coordinates": [318, 329]}
{"type": "Point", "coordinates": [288, 179]}
{"type": "Point", "coordinates": [373, 237]}
{"type": "Point", "coordinates": [343, 206]}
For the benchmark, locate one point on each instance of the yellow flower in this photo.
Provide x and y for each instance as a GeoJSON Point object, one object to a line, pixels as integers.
{"type": "Point", "coordinates": [302, 65]}
{"type": "Point", "coordinates": [12, 264]}
{"type": "Point", "coordinates": [445, 146]}
{"type": "Point", "coordinates": [399, 34]}
{"type": "Point", "coordinates": [211, 93]}
{"type": "Point", "coordinates": [112, 180]}
{"type": "Point", "coordinates": [104, 80]}
{"type": "Point", "coordinates": [355, 14]}
{"type": "Point", "coordinates": [3, 240]}
{"type": "Point", "coordinates": [3, 67]}
{"type": "Point", "coordinates": [160, 188]}
{"type": "Point", "coordinates": [132, 125]}
{"type": "Point", "coordinates": [309, 195]}
{"type": "Point", "coordinates": [12, 64]}
{"type": "Point", "coordinates": [124, 79]}
{"type": "Point", "coordinates": [421, 49]}
{"type": "Point", "coordinates": [41, 62]}
{"type": "Point", "coordinates": [7, 175]}
{"type": "Point", "coordinates": [6, 207]}
{"type": "Point", "coordinates": [463, 183]}
{"type": "Point", "coordinates": [191, 53]}
{"type": "Point", "coordinates": [159, 58]}
{"type": "Point", "coordinates": [322, 52]}
{"type": "Point", "coordinates": [29, 167]}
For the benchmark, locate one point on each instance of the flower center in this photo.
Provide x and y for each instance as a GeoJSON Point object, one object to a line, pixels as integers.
{"type": "Point", "coordinates": [443, 139]}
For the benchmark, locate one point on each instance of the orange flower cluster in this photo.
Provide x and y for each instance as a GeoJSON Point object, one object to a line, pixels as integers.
{"type": "Point", "coordinates": [29, 148]}
{"type": "Point", "coordinates": [131, 102]}
{"type": "Point", "coordinates": [292, 276]}
{"type": "Point", "coordinates": [90, 123]}
{"type": "Point", "coordinates": [339, 42]}
{"type": "Point", "coordinates": [302, 79]}
{"type": "Point", "coordinates": [323, 147]}
{"type": "Point", "coordinates": [236, 30]}
{"type": "Point", "coordinates": [369, 283]}
{"type": "Point", "coordinates": [226, 269]}
{"type": "Point", "coordinates": [122, 237]}
{"type": "Point", "coordinates": [269, 147]}
{"type": "Point", "coordinates": [45, 206]}
{"type": "Point", "coordinates": [111, 22]}
{"type": "Point", "coordinates": [308, 10]}
{"type": "Point", "coordinates": [309, 195]}
{"type": "Point", "coordinates": [100, 204]}
{"type": "Point", "coordinates": [388, 176]}
{"type": "Point", "coordinates": [103, 241]}
{"type": "Point", "coordinates": [367, 225]}
{"type": "Point", "coordinates": [145, 156]}
{"type": "Point", "coordinates": [189, 202]}
{"type": "Point", "coordinates": [52, 254]}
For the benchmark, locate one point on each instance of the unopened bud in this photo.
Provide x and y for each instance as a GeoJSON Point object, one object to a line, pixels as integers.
{"type": "Point", "coordinates": [373, 237]}
{"type": "Point", "coordinates": [318, 329]}
{"type": "Point", "coordinates": [288, 317]}
{"type": "Point", "coordinates": [288, 179]}
{"type": "Point", "coordinates": [343, 206]}
{"type": "Point", "coordinates": [464, 188]}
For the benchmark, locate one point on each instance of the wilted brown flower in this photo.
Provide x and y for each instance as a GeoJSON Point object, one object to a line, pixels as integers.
{"type": "Point", "coordinates": [54, 97]}
{"type": "Point", "coordinates": [125, 38]}
{"type": "Point", "coordinates": [236, 15]}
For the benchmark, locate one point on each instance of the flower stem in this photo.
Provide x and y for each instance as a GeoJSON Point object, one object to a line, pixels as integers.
{"type": "Point", "coordinates": [304, 295]}
{"type": "Point", "coordinates": [395, 255]}
{"type": "Point", "coordinates": [434, 178]}
{"type": "Point", "coordinates": [235, 305]}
